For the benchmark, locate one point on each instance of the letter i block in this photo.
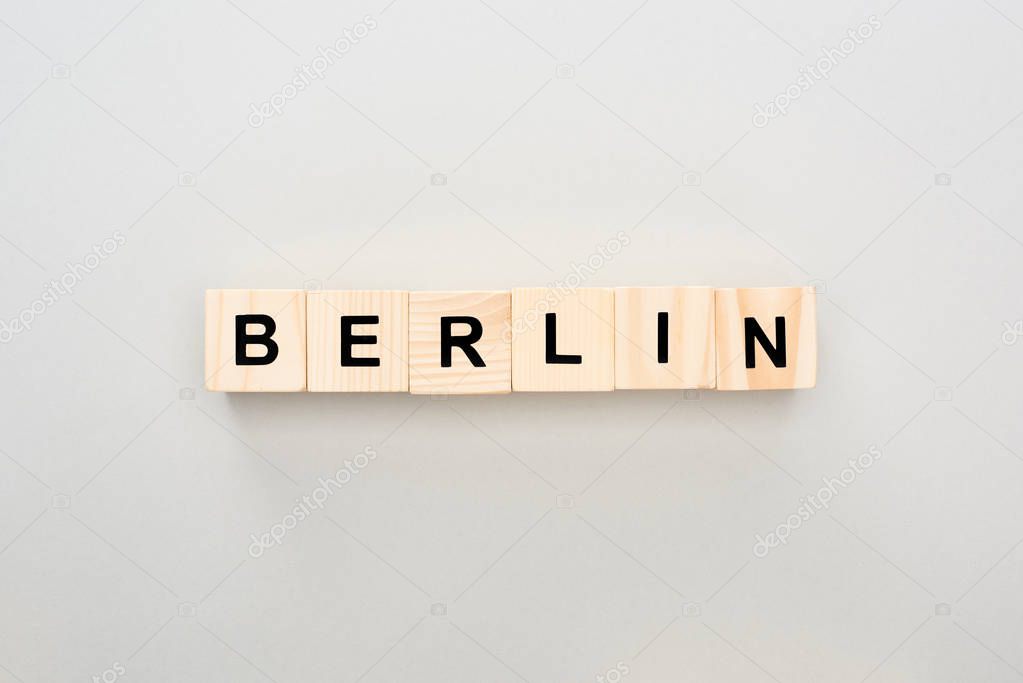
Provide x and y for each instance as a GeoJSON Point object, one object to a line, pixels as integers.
{"type": "Point", "coordinates": [358, 341]}
{"type": "Point", "coordinates": [460, 342]}
{"type": "Point", "coordinates": [664, 338]}
{"type": "Point", "coordinates": [562, 340]}
{"type": "Point", "coordinates": [255, 340]}
{"type": "Point", "coordinates": [766, 338]}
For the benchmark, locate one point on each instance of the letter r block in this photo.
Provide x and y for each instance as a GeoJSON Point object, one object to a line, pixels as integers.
{"type": "Point", "coordinates": [285, 310]}
{"type": "Point", "coordinates": [427, 374]}
{"type": "Point", "coordinates": [766, 338]}
{"type": "Point", "coordinates": [583, 327]}
{"type": "Point", "coordinates": [378, 351]}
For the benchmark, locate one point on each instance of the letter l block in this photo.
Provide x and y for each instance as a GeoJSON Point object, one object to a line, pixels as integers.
{"type": "Point", "coordinates": [583, 327]}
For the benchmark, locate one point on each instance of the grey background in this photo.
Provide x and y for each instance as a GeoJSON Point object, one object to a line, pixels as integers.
{"type": "Point", "coordinates": [525, 537]}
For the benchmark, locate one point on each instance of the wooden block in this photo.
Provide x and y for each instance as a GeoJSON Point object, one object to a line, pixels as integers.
{"type": "Point", "coordinates": [255, 340]}
{"type": "Point", "coordinates": [490, 337]}
{"type": "Point", "coordinates": [562, 340]}
{"type": "Point", "coordinates": [358, 341]}
{"type": "Point", "coordinates": [766, 338]}
{"type": "Point", "coordinates": [664, 338]}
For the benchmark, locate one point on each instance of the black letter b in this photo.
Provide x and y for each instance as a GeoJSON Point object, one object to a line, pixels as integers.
{"type": "Point", "coordinates": [242, 339]}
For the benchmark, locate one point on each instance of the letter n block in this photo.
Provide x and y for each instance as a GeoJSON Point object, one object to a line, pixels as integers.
{"type": "Point", "coordinates": [358, 340]}
{"type": "Point", "coordinates": [255, 340]}
{"type": "Point", "coordinates": [441, 358]}
{"type": "Point", "coordinates": [562, 339]}
{"type": "Point", "coordinates": [664, 338]}
{"type": "Point", "coordinates": [766, 338]}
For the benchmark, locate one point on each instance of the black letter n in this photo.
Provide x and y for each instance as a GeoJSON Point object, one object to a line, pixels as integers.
{"type": "Point", "coordinates": [242, 339]}
{"type": "Point", "coordinates": [776, 352]}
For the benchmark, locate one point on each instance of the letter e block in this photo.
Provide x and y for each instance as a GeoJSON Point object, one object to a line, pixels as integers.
{"type": "Point", "coordinates": [451, 334]}
{"type": "Point", "coordinates": [664, 338]}
{"type": "Point", "coordinates": [358, 340]}
{"type": "Point", "coordinates": [255, 340]}
{"type": "Point", "coordinates": [562, 340]}
{"type": "Point", "coordinates": [766, 338]}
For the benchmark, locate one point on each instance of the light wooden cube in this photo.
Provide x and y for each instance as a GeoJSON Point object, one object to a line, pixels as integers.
{"type": "Point", "coordinates": [385, 340]}
{"type": "Point", "coordinates": [236, 363]}
{"type": "Point", "coordinates": [750, 354]}
{"type": "Point", "coordinates": [584, 326]}
{"type": "Point", "coordinates": [686, 358]}
{"type": "Point", "coordinates": [427, 375]}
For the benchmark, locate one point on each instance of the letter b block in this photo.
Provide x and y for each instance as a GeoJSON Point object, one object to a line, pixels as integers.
{"type": "Point", "coordinates": [255, 340]}
{"type": "Point", "coordinates": [358, 341]}
{"type": "Point", "coordinates": [766, 338]}
{"type": "Point", "coordinates": [562, 340]}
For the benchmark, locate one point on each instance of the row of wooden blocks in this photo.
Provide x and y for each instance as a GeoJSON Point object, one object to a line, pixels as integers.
{"type": "Point", "coordinates": [530, 339]}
